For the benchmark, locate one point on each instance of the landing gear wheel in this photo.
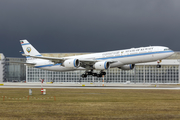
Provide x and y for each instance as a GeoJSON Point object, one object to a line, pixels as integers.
{"type": "Point", "coordinates": [158, 66]}
{"type": "Point", "coordinates": [99, 75]}
{"type": "Point", "coordinates": [103, 73]}
{"type": "Point", "coordinates": [83, 75]}
{"type": "Point", "coordinates": [94, 74]}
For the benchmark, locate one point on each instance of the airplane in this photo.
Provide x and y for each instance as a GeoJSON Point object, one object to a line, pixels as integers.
{"type": "Point", "coordinates": [122, 59]}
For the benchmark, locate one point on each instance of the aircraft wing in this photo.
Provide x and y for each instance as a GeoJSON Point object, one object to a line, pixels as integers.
{"type": "Point", "coordinates": [84, 62]}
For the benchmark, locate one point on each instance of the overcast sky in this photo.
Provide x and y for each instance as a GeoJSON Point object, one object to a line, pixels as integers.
{"type": "Point", "coordinates": [54, 26]}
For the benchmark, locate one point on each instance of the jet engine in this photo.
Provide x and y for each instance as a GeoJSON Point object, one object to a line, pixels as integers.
{"type": "Point", "coordinates": [71, 63]}
{"type": "Point", "coordinates": [127, 67]}
{"type": "Point", "coordinates": [102, 65]}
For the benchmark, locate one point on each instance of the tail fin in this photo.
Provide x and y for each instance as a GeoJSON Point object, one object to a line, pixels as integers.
{"type": "Point", "coordinates": [29, 49]}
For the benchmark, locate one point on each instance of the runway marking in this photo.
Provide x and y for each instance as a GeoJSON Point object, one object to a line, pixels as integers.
{"type": "Point", "coordinates": [74, 87]}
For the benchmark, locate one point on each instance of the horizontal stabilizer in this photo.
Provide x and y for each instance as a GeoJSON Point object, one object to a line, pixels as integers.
{"type": "Point", "coordinates": [21, 63]}
{"type": "Point", "coordinates": [53, 59]}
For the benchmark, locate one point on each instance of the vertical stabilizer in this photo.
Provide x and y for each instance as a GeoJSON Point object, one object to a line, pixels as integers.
{"type": "Point", "coordinates": [28, 49]}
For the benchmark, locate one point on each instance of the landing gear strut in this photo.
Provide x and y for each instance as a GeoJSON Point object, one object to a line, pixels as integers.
{"type": "Point", "coordinates": [158, 65]}
{"type": "Point", "coordinates": [83, 75]}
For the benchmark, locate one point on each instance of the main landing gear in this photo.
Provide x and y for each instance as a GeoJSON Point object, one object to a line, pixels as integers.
{"type": "Point", "coordinates": [93, 74]}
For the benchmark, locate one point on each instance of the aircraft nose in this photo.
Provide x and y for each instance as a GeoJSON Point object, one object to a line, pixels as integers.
{"type": "Point", "coordinates": [172, 52]}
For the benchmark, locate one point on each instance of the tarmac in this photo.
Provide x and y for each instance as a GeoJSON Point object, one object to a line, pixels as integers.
{"type": "Point", "coordinates": [90, 85]}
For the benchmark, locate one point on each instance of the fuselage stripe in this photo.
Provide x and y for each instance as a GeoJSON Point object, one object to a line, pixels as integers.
{"type": "Point", "coordinates": [133, 55]}
{"type": "Point", "coordinates": [49, 65]}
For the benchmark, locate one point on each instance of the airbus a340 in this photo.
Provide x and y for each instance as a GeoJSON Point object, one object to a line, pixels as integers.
{"type": "Point", "coordinates": [123, 59]}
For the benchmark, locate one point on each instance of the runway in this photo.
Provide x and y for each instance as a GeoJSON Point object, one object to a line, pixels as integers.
{"type": "Point", "coordinates": [92, 86]}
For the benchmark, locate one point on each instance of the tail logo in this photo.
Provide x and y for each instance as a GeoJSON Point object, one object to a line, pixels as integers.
{"type": "Point", "coordinates": [28, 49]}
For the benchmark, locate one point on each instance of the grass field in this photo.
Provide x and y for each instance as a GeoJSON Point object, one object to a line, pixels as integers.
{"type": "Point", "coordinates": [91, 104]}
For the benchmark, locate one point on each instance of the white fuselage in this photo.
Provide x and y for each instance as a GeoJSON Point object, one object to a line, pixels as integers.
{"type": "Point", "coordinates": [122, 57]}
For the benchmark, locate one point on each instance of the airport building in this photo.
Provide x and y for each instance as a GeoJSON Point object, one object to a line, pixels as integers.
{"type": "Point", "coordinates": [2, 57]}
{"type": "Point", "coordinates": [142, 73]}
{"type": "Point", "coordinates": [10, 72]}
{"type": "Point", "coordinates": [14, 72]}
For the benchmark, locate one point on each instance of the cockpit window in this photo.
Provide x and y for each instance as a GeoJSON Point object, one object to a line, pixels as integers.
{"type": "Point", "coordinates": [167, 49]}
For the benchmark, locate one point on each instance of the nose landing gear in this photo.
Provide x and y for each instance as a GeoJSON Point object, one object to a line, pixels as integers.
{"type": "Point", "coordinates": [158, 65]}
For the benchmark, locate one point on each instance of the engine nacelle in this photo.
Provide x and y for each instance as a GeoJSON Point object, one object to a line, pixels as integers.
{"type": "Point", "coordinates": [101, 65]}
{"type": "Point", "coordinates": [71, 63]}
{"type": "Point", "coordinates": [127, 67]}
